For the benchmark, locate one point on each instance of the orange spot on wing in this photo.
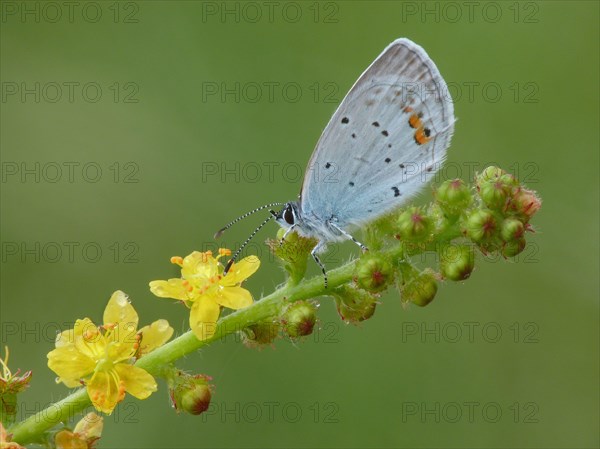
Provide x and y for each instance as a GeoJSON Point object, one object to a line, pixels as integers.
{"type": "Point", "coordinates": [420, 136]}
{"type": "Point", "coordinates": [414, 121]}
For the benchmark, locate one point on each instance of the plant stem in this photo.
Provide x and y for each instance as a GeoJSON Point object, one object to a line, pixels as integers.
{"type": "Point", "coordinates": [33, 428]}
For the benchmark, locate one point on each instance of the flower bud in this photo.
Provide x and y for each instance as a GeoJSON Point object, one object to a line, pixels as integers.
{"type": "Point", "coordinates": [354, 304]}
{"type": "Point", "coordinates": [491, 173]}
{"type": "Point", "coordinates": [420, 289]}
{"type": "Point", "coordinates": [512, 229]}
{"type": "Point", "coordinates": [481, 226]}
{"type": "Point", "coordinates": [457, 262]}
{"type": "Point", "coordinates": [453, 196]}
{"type": "Point", "coordinates": [260, 334]}
{"type": "Point", "coordinates": [525, 203]}
{"type": "Point", "coordinates": [373, 272]}
{"type": "Point", "coordinates": [189, 393]}
{"type": "Point", "coordinates": [514, 247]}
{"type": "Point", "coordinates": [495, 194]}
{"type": "Point", "coordinates": [414, 225]}
{"type": "Point", "coordinates": [299, 319]}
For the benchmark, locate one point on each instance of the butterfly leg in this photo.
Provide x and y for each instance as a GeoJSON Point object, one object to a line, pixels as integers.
{"type": "Point", "coordinates": [349, 236]}
{"type": "Point", "coordinates": [313, 253]}
{"type": "Point", "coordinates": [286, 233]}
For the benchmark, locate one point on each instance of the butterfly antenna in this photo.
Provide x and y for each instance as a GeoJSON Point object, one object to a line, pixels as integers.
{"type": "Point", "coordinates": [237, 253]}
{"type": "Point", "coordinates": [224, 228]}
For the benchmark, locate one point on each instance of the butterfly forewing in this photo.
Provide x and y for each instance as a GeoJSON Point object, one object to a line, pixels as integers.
{"type": "Point", "coordinates": [384, 142]}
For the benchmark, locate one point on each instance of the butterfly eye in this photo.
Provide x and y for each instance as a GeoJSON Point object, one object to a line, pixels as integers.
{"type": "Point", "coordinates": [288, 216]}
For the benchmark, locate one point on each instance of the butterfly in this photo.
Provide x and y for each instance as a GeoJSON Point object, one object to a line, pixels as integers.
{"type": "Point", "coordinates": [386, 140]}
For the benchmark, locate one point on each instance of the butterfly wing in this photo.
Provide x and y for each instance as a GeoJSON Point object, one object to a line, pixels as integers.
{"type": "Point", "coordinates": [386, 140]}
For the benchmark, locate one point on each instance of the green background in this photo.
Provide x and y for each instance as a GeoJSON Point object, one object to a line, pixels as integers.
{"type": "Point", "coordinates": [348, 386]}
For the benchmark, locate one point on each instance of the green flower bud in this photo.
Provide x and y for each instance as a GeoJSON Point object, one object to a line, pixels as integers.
{"type": "Point", "coordinates": [512, 229]}
{"type": "Point", "coordinates": [260, 334]}
{"type": "Point", "coordinates": [453, 196]}
{"type": "Point", "coordinates": [481, 226]}
{"type": "Point", "coordinates": [414, 225]}
{"type": "Point", "coordinates": [457, 262]}
{"type": "Point", "coordinates": [299, 319]}
{"type": "Point", "coordinates": [191, 394]}
{"type": "Point", "coordinates": [495, 194]}
{"type": "Point", "coordinates": [353, 304]}
{"type": "Point", "coordinates": [525, 204]}
{"type": "Point", "coordinates": [512, 248]}
{"type": "Point", "coordinates": [373, 272]}
{"type": "Point", "coordinates": [491, 173]}
{"type": "Point", "coordinates": [419, 289]}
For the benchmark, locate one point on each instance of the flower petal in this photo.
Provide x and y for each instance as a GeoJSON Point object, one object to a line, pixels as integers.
{"type": "Point", "coordinates": [154, 336]}
{"type": "Point", "coordinates": [104, 391]}
{"type": "Point", "coordinates": [88, 339]}
{"type": "Point", "coordinates": [241, 271]}
{"type": "Point", "coordinates": [117, 352]}
{"type": "Point", "coordinates": [137, 381]}
{"type": "Point", "coordinates": [120, 311]}
{"type": "Point", "coordinates": [65, 338]}
{"type": "Point", "coordinates": [70, 365]}
{"type": "Point", "coordinates": [234, 297]}
{"type": "Point", "coordinates": [203, 317]}
{"type": "Point", "coordinates": [200, 266]}
{"type": "Point", "coordinates": [173, 288]}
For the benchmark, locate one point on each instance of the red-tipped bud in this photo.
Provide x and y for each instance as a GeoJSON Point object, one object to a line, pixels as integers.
{"type": "Point", "coordinates": [299, 319]}
{"type": "Point", "coordinates": [512, 229]}
{"type": "Point", "coordinates": [373, 272]}
{"type": "Point", "coordinates": [495, 194]}
{"type": "Point", "coordinates": [191, 394]}
{"type": "Point", "coordinates": [414, 225]}
{"type": "Point", "coordinates": [353, 304]}
{"type": "Point", "coordinates": [453, 196]}
{"type": "Point", "coordinates": [525, 204]}
{"type": "Point", "coordinates": [457, 262]}
{"type": "Point", "coordinates": [481, 226]}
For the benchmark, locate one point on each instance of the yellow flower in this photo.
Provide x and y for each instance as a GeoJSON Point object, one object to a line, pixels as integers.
{"type": "Point", "coordinates": [204, 289]}
{"type": "Point", "coordinates": [84, 436]}
{"type": "Point", "coordinates": [107, 353]}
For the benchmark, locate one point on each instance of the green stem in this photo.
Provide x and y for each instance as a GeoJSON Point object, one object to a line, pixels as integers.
{"type": "Point", "coordinates": [33, 428]}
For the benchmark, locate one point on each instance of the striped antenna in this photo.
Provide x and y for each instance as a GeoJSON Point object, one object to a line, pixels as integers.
{"type": "Point", "coordinates": [237, 253]}
{"type": "Point", "coordinates": [224, 228]}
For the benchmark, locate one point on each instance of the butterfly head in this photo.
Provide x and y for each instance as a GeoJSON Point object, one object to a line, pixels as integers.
{"type": "Point", "coordinates": [288, 215]}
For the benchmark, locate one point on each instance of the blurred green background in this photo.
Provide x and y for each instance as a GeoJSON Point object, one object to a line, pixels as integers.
{"type": "Point", "coordinates": [131, 131]}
